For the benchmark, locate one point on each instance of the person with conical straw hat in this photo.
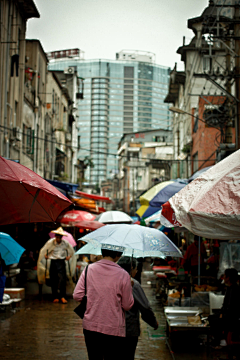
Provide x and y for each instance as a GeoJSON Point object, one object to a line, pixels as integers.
{"type": "Point", "coordinates": [57, 250]}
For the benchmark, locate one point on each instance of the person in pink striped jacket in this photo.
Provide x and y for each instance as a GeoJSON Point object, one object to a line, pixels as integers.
{"type": "Point", "coordinates": [109, 295]}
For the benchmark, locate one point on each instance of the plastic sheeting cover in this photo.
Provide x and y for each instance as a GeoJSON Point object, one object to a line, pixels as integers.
{"type": "Point", "coordinates": [229, 257]}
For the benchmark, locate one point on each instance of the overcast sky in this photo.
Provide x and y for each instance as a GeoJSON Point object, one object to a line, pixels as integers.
{"type": "Point", "coordinates": [103, 27]}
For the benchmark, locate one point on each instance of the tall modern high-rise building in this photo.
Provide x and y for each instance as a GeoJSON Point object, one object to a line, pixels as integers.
{"type": "Point", "coordinates": [120, 96]}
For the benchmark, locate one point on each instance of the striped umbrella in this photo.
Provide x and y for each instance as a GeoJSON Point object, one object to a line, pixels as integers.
{"type": "Point", "coordinates": [152, 200]}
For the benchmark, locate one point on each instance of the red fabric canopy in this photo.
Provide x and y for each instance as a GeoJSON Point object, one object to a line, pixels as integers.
{"type": "Point", "coordinates": [93, 197]}
{"type": "Point", "coordinates": [26, 196]}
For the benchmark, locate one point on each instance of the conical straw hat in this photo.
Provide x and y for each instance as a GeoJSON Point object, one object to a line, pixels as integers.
{"type": "Point", "coordinates": [59, 231]}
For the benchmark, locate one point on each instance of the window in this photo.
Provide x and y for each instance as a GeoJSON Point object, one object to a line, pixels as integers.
{"type": "Point", "coordinates": [28, 140]}
{"type": "Point", "coordinates": [15, 114]}
{"type": "Point", "coordinates": [159, 138]}
{"type": "Point", "coordinates": [195, 126]}
{"type": "Point", "coordinates": [132, 155]}
{"type": "Point", "coordinates": [207, 63]}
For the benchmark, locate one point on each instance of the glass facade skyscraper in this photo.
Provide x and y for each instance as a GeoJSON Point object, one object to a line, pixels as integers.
{"type": "Point", "coordinates": [120, 96]}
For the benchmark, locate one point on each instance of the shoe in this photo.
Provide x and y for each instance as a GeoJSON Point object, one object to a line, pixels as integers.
{"type": "Point", "coordinates": [64, 301]}
{"type": "Point", "coordinates": [56, 301]}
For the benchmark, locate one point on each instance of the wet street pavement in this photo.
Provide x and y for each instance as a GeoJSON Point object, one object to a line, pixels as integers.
{"type": "Point", "coordinates": [42, 330]}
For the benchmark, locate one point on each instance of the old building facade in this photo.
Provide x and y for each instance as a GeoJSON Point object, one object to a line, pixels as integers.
{"type": "Point", "coordinates": [203, 95]}
{"type": "Point", "coordinates": [144, 159]}
{"type": "Point", "coordinates": [37, 112]}
{"type": "Point", "coordinates": [14, 16]}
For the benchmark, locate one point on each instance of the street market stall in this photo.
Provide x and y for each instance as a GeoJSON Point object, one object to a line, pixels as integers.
{"type": "Point", "coordinates": [179, 319]}
{"type": "Point", "coordinates": [210, 207]}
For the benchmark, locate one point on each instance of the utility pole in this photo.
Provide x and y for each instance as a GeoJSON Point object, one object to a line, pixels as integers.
{"type": "Point", "coordinates": [178, 151]}
{"type": "Point", "coordinates": [228, 132]}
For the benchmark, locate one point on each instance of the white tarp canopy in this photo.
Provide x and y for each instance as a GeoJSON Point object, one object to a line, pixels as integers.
{"type": "Point", "coordinates": [210, 205]}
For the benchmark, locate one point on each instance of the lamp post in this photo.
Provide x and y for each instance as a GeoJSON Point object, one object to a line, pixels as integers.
{"type": "Point", "coordinates": [177, 110]}
{"type": "Point", "coordinates": [180, 111]}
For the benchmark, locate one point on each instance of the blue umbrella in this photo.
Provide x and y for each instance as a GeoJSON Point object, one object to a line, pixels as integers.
{"type": "Point", "coordinates": [135, 237]}
{"type": "Point", "coordinates": [166, 193]}
{"type": "Point", "coordinates": [152, 200]}
{"type": "Point", "coordinates": [145, 211]}
{"type": "Point", "coordinates": [10, 250]}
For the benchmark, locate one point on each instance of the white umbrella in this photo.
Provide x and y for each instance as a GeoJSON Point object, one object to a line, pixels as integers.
{"type": "Point", "coordinates": [119, 237]}
{"type": "Point", "coordinates": [90, 249]}
{"type": "Point", "coordinates": [114, 217]}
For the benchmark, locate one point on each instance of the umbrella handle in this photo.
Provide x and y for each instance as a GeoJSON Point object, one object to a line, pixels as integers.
{"type": "Point", "coordinates": [68, 265]}
{"type": "Point", "coordinates": [46, 267]}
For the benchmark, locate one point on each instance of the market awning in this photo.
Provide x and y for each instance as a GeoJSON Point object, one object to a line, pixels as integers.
{"type": "Point", "coordinates": [93, 197]}
{"type": "Point", "coordinates": [87, 204]}
{"type": "Point", "coordinates": [64, 185]}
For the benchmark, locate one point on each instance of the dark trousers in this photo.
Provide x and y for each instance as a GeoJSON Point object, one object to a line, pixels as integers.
{"type": "Point", "coordinates": [58, 278]}
{"type": "Point", "coordinates": [216, 327]}
{"type": "Point", "coordinates": [130, 346]}
{"type": "Point", "coordinates": [101, 346]}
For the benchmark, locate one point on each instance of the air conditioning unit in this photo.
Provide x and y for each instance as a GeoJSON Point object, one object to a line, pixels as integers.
{"type": "Point", "coordinates": [79, 95]}
{"type": "Point", "coordinates": [69, 70]}
{"type": "Point", "coordinates": [17, 133]}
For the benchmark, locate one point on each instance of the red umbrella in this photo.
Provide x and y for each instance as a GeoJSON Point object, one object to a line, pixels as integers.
{"type": "Point", "coordinates": [210, 205]}
{"type": "Point", "coordinates": [26, 196]}
{"type": "Point", "coordinates": [71, 217]}
{"type": "Point", "coordinates": [91, 225]}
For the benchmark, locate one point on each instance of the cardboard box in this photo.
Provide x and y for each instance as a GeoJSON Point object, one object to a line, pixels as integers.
{"type": "Point", "coordinates": [15, 293]}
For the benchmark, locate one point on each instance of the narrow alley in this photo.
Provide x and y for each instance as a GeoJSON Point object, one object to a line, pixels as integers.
{"type": "Point", "coordinates": [40, 330]}
{"type": "Point", "coordinates": [43, 330]}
